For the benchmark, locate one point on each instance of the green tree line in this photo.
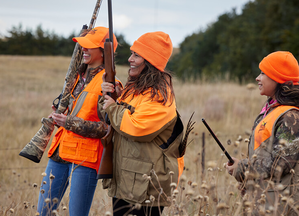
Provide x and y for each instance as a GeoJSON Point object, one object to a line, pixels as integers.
{"type": "Point", "coordinates": [233, 46]}
{"type": "Point", "coordinates": [40, 42]}
{"type": "Point", "coordinates": [230, 48]}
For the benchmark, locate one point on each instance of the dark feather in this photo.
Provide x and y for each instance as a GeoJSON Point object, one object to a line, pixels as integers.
{"type": "Point", "coordinates": [189, 128]}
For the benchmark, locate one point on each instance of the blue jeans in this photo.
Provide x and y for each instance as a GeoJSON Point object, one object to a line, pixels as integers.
{"type": "Point", "coordinates": [82, 187]}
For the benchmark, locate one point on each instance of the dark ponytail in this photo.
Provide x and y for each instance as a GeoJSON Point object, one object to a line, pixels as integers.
{"type": "Point", "coordinates": [287, 94]}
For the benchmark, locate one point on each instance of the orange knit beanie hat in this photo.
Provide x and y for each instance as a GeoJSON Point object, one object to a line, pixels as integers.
{"type": "Point", "coordinates": [95, 38]}
{"type": "Point", "coordinates": [155, 47]}
{"type": "Point", "coordinates": [281, 66]}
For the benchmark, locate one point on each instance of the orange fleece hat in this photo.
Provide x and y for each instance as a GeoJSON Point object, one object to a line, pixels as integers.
{"type": "Point", "coordinates": [281, 66]}
{"type": "Point", "coordinates": [95, 38]}
{"type": "Point", "coordinates": [155, 47]}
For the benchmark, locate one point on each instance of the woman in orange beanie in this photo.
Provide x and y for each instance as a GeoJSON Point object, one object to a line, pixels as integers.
{"type": "Point", "coordinates": [76, 150]}
{"type": "Point", "coordinates": [148, 131]}
{"type": "Point", "coordinates": [273, 150]}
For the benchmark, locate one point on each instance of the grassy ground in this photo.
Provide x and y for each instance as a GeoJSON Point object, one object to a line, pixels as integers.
{"type": "Point", "coordinates": [28, 86]}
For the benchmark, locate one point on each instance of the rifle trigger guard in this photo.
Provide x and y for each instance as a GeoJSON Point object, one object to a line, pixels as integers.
{"type": "Point", "coordinates": [56, 101]}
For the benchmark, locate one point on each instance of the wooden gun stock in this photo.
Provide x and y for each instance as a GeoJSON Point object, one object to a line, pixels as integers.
{"type": "Point", "coordinates": [109, 66]}
{"type": "Point", "coordinates": [106, 166]}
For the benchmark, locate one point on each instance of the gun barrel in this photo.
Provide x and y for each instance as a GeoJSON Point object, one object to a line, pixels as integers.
{"type": "Point", "coordinates": [231, 161]}
{"type": "Point", "coordinates": [110, 21]}
{"type": "Point", "coordinates": [95, 14]}
{"type": "Point", "coordinates": [106, 166]}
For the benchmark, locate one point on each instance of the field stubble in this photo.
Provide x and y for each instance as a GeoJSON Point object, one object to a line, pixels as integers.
{"type": "Point", "coordinates": [28, 85]}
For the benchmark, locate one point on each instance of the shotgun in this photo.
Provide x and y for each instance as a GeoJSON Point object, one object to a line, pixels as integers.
{"type": "Point", "coordinates": [34, 150]}
{"type": "Point", "coordinates": [230, 160]}
{"type": "Point", "coordinates": [106, 166]}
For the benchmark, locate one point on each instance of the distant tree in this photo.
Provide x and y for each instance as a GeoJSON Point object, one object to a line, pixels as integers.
{"type": "Point", "coordinates": [19, 42]}
{"type": "Point", "coordinates": [123, 50]}
{"type": "Point", "coordinates": [40, 42]}
{"type": "Point", "coordinates": [234, 45]}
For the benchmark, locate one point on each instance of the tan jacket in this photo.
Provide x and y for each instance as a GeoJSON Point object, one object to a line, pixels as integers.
{"type": "Point", "coordinates": [146, 140]}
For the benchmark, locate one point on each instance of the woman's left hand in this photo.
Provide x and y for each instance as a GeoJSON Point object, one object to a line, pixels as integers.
{"type": "Point", "coordinates": [108, 100]}
{"type": "Point", "coordinates": [59, 119]}
{"type": "Point", "coordinates": [231, 167]}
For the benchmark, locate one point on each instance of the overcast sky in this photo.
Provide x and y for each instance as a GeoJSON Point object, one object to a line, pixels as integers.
{"type": "Point", "coordinates": [132, 18]}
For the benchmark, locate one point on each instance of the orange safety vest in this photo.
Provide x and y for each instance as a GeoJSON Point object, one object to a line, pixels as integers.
{"type": "Point", "coordinates": [264, 129]}
{"type": "Point", "coordinates": [73, 147]}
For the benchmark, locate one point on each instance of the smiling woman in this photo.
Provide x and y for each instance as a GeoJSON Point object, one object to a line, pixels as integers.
{"type": "Point", "coordinates": [274, 143]}
{"type": "Point", "coordinates": [77, 140]}
{"type": "Point", "coordinates": [148, 131]}
{"type": "Point", "coordinates": [92, 57]}
{"type": "Point", "coordinates": [267, 86]}
{"type": "Point", "coordinates": [136, 64]}
{"type": "Point", "coordinates": [93, 47]}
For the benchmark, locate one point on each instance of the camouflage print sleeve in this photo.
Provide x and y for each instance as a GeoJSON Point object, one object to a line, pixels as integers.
{"type": "Point", "coordinates": [286, 142]}
{"type": "Point", "coordinates": [89, 129]}
{"type": "Point", "coordinates": [239, 172]}
{"type": "Point", "coordinates": [285, 149]}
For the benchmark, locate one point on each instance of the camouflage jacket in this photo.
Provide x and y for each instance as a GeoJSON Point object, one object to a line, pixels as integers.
{"type": "Point", "coordinates": [285, 147]}
{"type": "Point", "coordinates": [272, 168]}
{"type": "Point", "coordinates": [77, 125]}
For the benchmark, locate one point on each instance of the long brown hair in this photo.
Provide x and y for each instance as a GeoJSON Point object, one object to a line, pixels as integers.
{"type": "Point", "coordinates": [287, 94]}
{"type": "Point", "coordinates": [159, 83]}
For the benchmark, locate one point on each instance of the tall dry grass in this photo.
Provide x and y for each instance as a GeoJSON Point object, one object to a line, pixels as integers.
{"type": "Point", "coordinates": [28, 86]}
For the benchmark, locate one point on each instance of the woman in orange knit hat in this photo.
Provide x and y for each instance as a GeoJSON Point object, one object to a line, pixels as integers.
{"type": "Point", "coordinates": [76, 149]}
{"type": "Point", "coordinates": [273, 150]}
{"type": "Point", "coordinates": [148, 131]}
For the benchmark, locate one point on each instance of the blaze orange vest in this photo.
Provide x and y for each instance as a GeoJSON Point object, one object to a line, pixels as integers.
{"type": "Point", "coordinates": [264, 129]}
{"type": "Point", "coordinates": [73, 147]}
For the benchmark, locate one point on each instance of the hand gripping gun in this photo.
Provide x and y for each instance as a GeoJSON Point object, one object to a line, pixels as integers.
{"type": "Point", "coordinates": [34, 150]}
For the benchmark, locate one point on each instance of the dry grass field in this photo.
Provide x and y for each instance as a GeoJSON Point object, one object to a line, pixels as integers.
{"type": "Point", "coordinates": [28, 86]}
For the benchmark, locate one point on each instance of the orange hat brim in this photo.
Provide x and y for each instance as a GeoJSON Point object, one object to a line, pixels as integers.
{"type": "Point", "coordinates": [85, 42]}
